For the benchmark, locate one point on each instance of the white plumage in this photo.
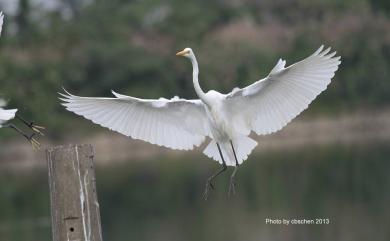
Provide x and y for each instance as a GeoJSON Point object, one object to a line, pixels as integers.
{"type": "Point", "coordinates": [263, 107]}
{"type": "Point", "coordinates": [176, 123]}
{"type": "Point", "coordinates": [1, 21]}
{"type": "Point", "coordinates": [6, 115]}
{"type": "Point", "coordinates": [270, 103]}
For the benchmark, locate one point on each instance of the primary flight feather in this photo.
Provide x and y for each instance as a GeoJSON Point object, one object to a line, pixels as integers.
{"type": "Point", "coordinates": [264, 107]}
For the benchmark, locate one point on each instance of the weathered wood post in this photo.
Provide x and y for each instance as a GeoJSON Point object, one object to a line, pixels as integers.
{"type": "Point", "coordinates": [74, 205]}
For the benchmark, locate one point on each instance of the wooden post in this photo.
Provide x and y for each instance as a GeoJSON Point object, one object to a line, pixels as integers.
{"type": "Point", "coordinates": [74, 205]}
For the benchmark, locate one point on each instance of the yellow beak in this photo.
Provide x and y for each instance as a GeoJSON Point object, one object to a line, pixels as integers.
{"type": "Point", "coordinates": [182, 53]}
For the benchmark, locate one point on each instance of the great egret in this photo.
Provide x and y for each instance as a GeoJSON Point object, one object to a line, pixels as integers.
{"type": "Point", "coordinates": [6, 115]}
{"type": "Point", "coordinates": [263, 107]}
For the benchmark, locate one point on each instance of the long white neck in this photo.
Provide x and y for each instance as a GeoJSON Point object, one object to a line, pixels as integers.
{"type": "Point", "coordinates": [195, 73]}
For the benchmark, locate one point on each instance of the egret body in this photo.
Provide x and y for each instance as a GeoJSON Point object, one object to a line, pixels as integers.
{"type": "Point", "coordinates": [263, 107]}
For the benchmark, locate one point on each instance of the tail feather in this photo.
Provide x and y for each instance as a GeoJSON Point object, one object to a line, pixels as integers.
{"type": "Point", "coordinates": [243, 146]}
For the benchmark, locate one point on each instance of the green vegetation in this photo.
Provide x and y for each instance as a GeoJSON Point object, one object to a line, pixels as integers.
{"type": "Point", "coordinates": [91, 47]}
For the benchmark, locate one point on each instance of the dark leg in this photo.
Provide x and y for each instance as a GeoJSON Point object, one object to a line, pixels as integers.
{"type": "Point", "coordinates": [35, 144]}
{"type": "Point", "coordinates": [31, 125]}
{"type": "Point", "coordinates": [232, 187]}
{"type": "Point", "coordinates": [209, 184]}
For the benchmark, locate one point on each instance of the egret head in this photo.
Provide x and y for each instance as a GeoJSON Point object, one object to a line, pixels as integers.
{"type": "Point", "coordinates": [187, 52]}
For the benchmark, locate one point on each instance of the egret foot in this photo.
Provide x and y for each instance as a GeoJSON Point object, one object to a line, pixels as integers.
{"type": "Point", "coordinates": [36, 128]}
{"type": "Point", "coordinates": [208, 188]}
{"type": "Point", "coordinates": [34, 143]}
{"type": "Point", "coordinates": [209, 184]}
{"type": "Point", "coordinates": [233, 183]}
{"type": "Point", "coordinates": [232, 187]}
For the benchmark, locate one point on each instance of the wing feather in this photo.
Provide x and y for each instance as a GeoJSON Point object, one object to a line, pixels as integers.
{"type": "Point", "coordinates": [271, 103]}
{"type": "Point", "coordinates": [176, 123]}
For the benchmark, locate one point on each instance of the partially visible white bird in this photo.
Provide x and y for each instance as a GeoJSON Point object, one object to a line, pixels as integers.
{"type": "Point", "coordinates": [263, 107]}
{"type": "Point", "coordinates": [1, 21]}
{"type": "Point", "coordinates": [6, 115]}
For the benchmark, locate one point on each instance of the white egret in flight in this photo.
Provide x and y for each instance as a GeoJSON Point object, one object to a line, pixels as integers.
{"type": "Point", "coordinates": [6, 115]}
{"type": "Point", "coordinates": [263, 107]}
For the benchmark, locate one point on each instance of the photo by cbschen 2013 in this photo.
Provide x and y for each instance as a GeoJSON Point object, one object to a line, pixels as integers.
{"type": "Point", "coordinates": [297, 221]}
{"type": "Point", "coordinates": [289, 99]}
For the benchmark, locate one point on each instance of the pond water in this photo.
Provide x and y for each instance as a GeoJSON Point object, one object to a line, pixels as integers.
{"type": "Point", "coordinates": [347, 186]}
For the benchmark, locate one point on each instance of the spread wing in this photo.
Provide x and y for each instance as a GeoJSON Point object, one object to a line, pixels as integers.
{"type": "Point", "coordinates": [176, 123]}
{"type": "Point", "coordinates": [271, 103]}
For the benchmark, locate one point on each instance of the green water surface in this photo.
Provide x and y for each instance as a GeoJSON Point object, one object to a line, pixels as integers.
{"type": "Point", "coordinates": [161, 199]}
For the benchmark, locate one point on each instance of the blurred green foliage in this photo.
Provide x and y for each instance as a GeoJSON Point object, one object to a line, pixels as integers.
{"type": "Point", "coordinates": [91, 47]}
